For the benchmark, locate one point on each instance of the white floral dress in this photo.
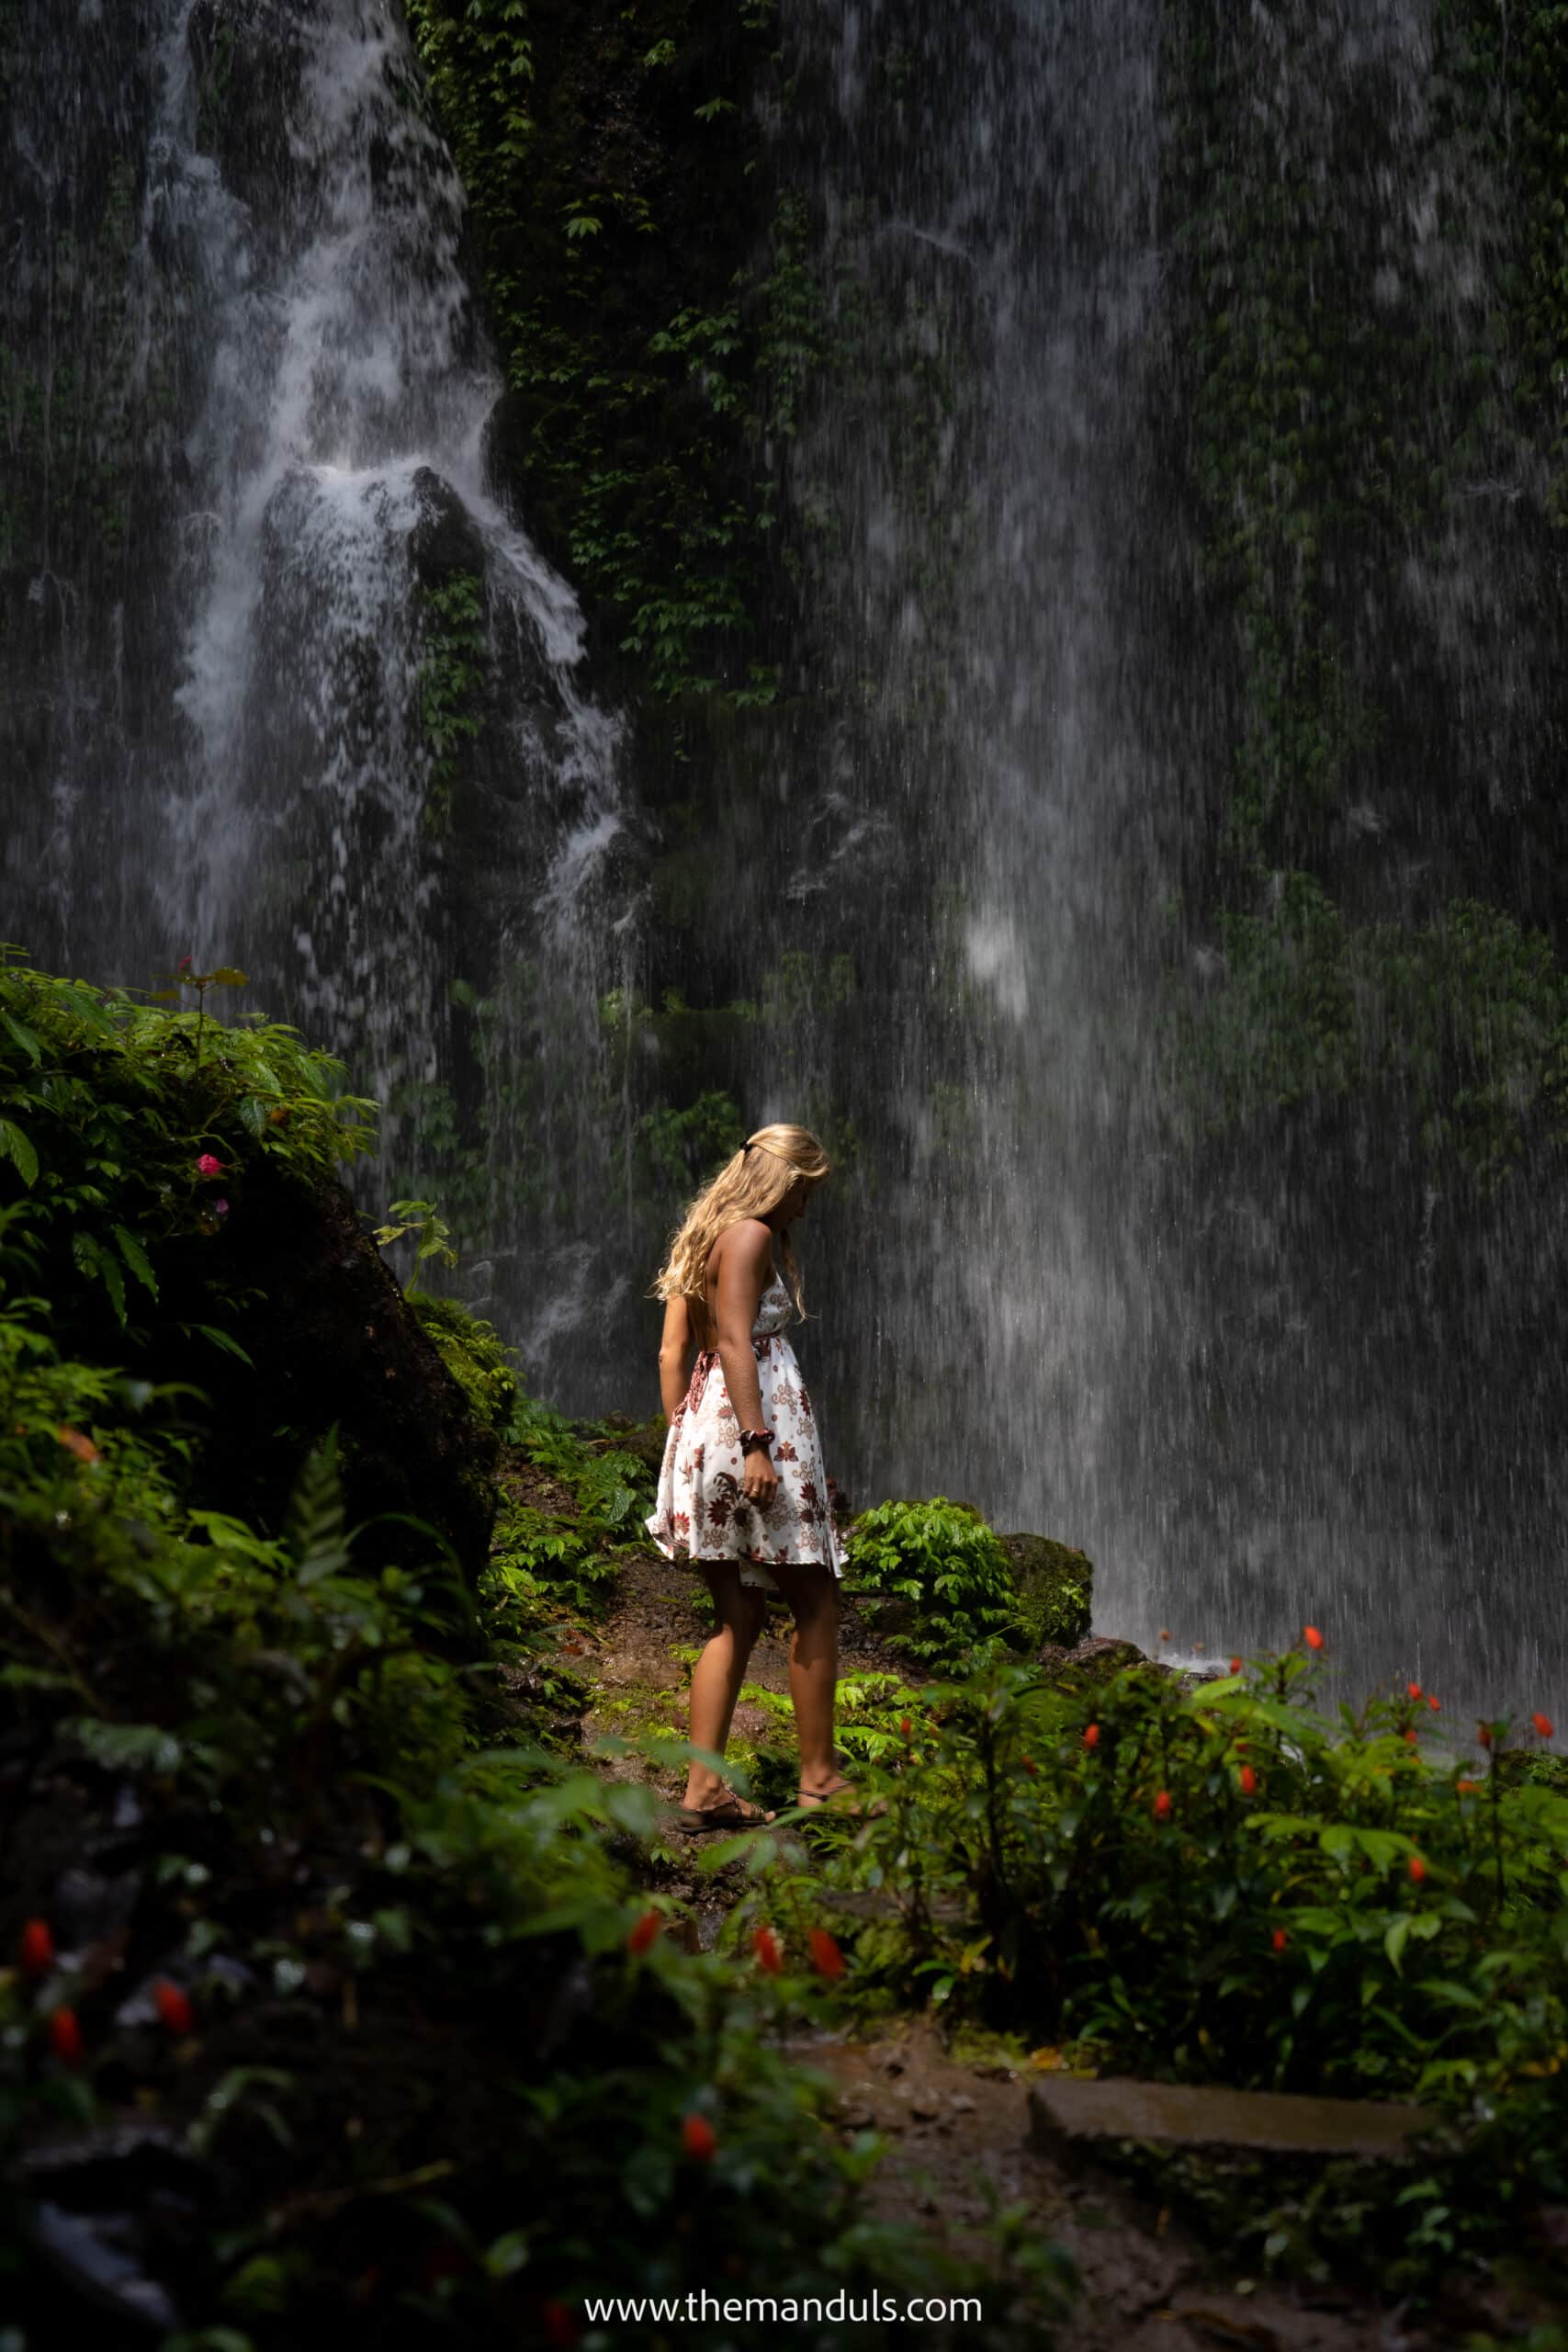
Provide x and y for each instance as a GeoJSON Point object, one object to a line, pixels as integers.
{"type": "Point", "coordinates": [702, 1512]}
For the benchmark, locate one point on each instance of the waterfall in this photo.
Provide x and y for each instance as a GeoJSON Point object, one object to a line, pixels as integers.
{"type": "Point", "coordinates": [313, 391]}
{"type": "Point", "coordinates": [1260, 1381]}
{"type": "Point", "coordinates": [1173, 668]}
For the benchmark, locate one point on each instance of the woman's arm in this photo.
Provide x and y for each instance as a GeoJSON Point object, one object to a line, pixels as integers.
{"type": "Point", "coordinates": [675, 1356]}
{"type": "Point", "coordinates": [745, 1267]}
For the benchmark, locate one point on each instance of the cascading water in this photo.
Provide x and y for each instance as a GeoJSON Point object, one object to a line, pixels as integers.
{"type": "Point", "coordinates": [302, 331]}
{"type": "Point", "coordinates": [1257, 1385]}
{"type": "Point", "coordinates": [1170, 550]}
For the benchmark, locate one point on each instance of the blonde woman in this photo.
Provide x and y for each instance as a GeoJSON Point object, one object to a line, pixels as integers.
{"type": "Point", "coordinates": [742, 1493]}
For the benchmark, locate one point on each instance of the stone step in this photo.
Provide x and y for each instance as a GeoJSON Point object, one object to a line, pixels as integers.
{"type": "Point", "coordinates": [1070, 2112]}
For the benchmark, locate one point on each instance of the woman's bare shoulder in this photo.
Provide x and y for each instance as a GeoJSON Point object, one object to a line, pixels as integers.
{"type": "Point", "coordinates": [744, 1245]}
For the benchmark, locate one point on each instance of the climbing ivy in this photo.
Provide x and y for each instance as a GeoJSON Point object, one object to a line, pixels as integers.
{"type": "Point", "coordinates": [653, 299]}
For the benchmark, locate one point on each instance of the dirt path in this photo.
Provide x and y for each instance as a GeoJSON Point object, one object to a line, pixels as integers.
{"type": "Point", "coordinates": [957, 2134]}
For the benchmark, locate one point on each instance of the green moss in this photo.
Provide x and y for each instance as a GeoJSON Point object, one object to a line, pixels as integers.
{"type": "Point", "coordinates": [1463, 1021]}
{"type": "Point", "coordinates": [652, 358]}
{"type": "Point", "coordinates": [1055, 1590]}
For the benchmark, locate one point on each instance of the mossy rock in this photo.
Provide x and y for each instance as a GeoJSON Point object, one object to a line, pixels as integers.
{"type": "Point", "coordinates": [1055, 1590]}
{"type": "Point", "coordinates": [332, 1343]}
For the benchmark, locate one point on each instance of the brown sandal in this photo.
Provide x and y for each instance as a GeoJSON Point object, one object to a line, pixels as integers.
{"type": "Point", "coordinates": [844, 1812]}
{"type": "Point", "coordinates": [731, 1813]}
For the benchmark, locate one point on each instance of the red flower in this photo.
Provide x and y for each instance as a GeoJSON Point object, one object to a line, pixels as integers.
{"type": "Point", "coordinates": [907, 1727]}
{"type": "Point", "coordinates": [1278, 1940]}
{"type": "Point", "coordinates": [1414, 1689]}
{"type": "Point", "coordinates": [1162, 1805]}
{"type": "Point", "coordinates": [174, 2006]}
{"type": "Point", "coordinates": [770, 1954]}
{"type": "Point", "coordinates": [1165, 1633]}
{"type": "Point", "coordinates": [560, 2324]}
{"type": "Point", "coordinates": [37, 1948]}
{"type": "Point", "coordinates": [1484, 1734]}
{"type": "Point", "coordinates": [209, 1165]}
{"type": "Point", "coordinates": [1236, 1666]}
{"type": "Point", "coordinates": [1436, 1704]}
{"type": "Point", "coordinates": [185, 962]}
{"type": "Point", "coordinates": [698, 2138]}
{"type": "Point", "coordinates": [1410, 1734]}
{"type": "Point", "coordinates": [1091, 1736]}
{"type": "Point", "coordinates": [74, 1442]}
{"type": "Point", "coordinates": [1416, 1868]}
{"type": "Point", "coordinates": [647, 1927]}
{"type": "Point", "coordinates": [1030, 1766]}
{"type": "Point", "coordinates": [826, 1957]}
{"type": "Point", "coordinates": [1542, 1724]}
{"type": "Point", "coordinates": [1248, 1782]}
{"type": "Point", "coordinates": [1312, 1637]}
{"type": "Point", "coordinates": [1467, 1788]}
{"type": "Point", "coordinates": [66, 2035]}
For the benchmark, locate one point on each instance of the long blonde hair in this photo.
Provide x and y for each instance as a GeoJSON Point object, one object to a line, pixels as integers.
{"type": "Point", "coordinates": [751, 1184]}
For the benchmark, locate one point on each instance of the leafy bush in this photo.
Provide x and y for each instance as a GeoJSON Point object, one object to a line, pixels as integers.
{"type": "Point", "coordinates": [377, 1966]}
{"type": "Point", "coordinates": [126, 1127]}
{"type": "Point", "coordinates": [946, 1566]}
{"type": "Point", "coordinates": [473, 1352]}
{"type": "Point", "coordinates": [1224, 1884]}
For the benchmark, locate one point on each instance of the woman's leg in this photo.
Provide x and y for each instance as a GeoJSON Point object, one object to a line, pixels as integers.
{"type": "Point", "coordinates": [720, 1670]}
{"type": "Point", "coordinates": [812, 1594]}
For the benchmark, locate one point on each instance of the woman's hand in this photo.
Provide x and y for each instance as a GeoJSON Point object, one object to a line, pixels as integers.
{"type": "Point", "coordinates": [759, 1479]}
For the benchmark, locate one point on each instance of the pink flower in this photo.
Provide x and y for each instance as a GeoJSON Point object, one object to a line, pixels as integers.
{"type": "Point", "coordinates": [209, 1166]}
{"type": "Point", "coordinates": [219, 1209]}
{"type": "Point", "coordinates": [185, 962]}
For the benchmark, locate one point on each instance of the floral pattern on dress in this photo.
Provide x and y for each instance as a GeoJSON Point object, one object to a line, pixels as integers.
{"type": "Point", "coordinates": [703, 1511]}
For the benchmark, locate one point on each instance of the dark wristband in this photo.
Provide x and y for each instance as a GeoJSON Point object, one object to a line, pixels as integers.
{"type": "Point", "coordinates": [752, 1439]}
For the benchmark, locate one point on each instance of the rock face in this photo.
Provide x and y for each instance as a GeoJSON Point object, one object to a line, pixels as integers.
{"type": "Point", "coordinates": [1055, 1587]}
{"type": "Point", "coordinates": [334, 1344]}
{"type": "Point", "coordinates": [1096, 1659]}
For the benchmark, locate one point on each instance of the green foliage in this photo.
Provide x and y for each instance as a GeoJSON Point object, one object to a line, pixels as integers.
{"type": "Point", "coordinates": [549, 1564]}
{"type": "Point", "coordinates": [653, 361]}
{"type": "Point", "coordinates": [453, 669]}
{"type": "Point", "coordinates": [1464, 1022]}
{"type": "Point", "coordinates": [1229, 1883]}
{"type": "Point", "coordinates": [351, 1849]}
{"type": "Point", "coordinates": [944, 1563]}
{"type": "Point", "coordinates": [425, 1219]}
{"type": "Point", "coordinates": [474, 1353]}
{"type": "Point", "coordinates": [128, 1127]}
